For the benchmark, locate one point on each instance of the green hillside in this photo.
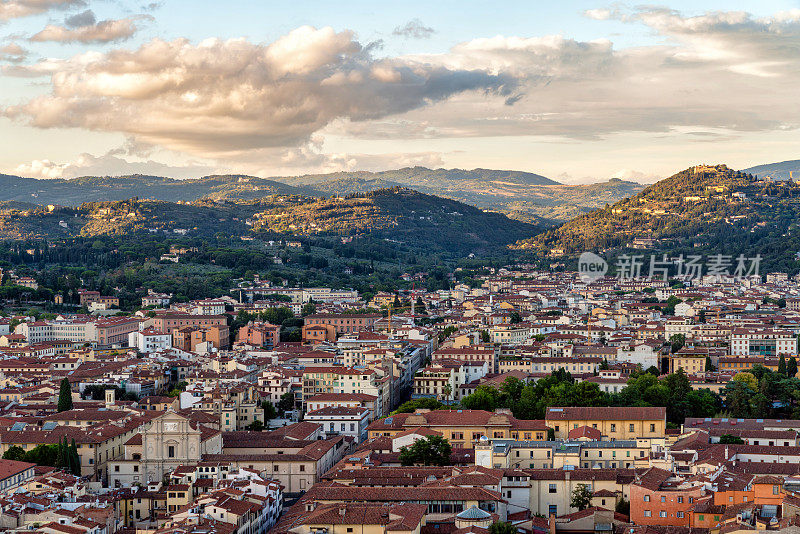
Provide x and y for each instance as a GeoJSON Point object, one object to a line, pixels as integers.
{"type": "Point", "coordinates": [703, 209]}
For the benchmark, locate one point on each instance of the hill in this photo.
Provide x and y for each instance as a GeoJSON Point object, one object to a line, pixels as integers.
{"type": "Point", "coordinates": [711, 209]}
{"type": "Point", "coordinates": [784, 170]}
{"type": "Point", "coordinates": [108, 188]}
{"type": "Point", "coordinates": [400, 215]}
{"type": "Point", "coordinates": [522, 195]}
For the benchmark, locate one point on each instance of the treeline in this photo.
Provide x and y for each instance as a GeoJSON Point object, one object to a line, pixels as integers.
{"type": "Point", "coordinates": [531, 400]}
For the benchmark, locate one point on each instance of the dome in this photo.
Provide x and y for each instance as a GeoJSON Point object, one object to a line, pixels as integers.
{"type": "Point", "coordinates": [474, 513]}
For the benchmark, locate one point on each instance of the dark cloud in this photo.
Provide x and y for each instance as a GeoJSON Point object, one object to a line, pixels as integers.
{"type": "Point", "coordinates": [85, 18]}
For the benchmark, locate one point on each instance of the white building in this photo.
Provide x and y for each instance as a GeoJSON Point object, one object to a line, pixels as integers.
{"type": "Point", "coordinates": [342, 421]}
{"type": "Point", "coordinates": [762, 342]}
{"type": "Point", "coordinates": [149, 340]}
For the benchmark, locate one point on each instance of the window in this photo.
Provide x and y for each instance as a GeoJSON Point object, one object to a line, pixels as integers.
{"type": "Point", "coordinates": [662, 513]}
{"type": "Point", "coordinates": [776, 490]}
{"type": "Point", "coordinates": [652, 427]}
{"type": "Point", "coordinates": [678, 514]}
{"type": "Point", "coordinates": [171, 451]}
{"type": "Point", "coordinates": [552, 509]}
{"type": "Point", "coordinates": [702, 517]}
{"type": "Point", "coordinates": [680, 499]}
{"type": "Point", "coordinates": [663, 498]}
{"type": "Point", "coordinates": [551, 488]}
{"type": "Point", "coordinates": [647, 513]}
{"type": "Point", "coordinates": [630, 427]}
{"type": "Point", "coordinates": [613, 427]}
{"type": "Point", "coordinates": [647, 498]}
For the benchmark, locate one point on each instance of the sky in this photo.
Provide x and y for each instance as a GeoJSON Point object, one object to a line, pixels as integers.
{"type": "Point", "coordinates": [578, 91]}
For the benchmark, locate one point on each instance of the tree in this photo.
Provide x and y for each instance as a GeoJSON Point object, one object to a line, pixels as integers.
{"type": "Point", "coordinates": [581, 497]}
{"type": "Point", "coordinates": [515, 317]}
{"type": "Point", "coordinates": [501, 527]}
{"type": "Point", "coordinates": [74, 459]}
{"type": "Point", "coordinates": [269, 410]}
{"type": "Point", "coordinates": [255, 426]}
{"type": "Point", "coordinates": [308, 308]}
{"type": "Point", "coordinates": [15, 452]}
{"type": "Point", "coordinates": [782, 365]}
{"type": "Point", "coordinates": [411, 406]}
{"type": "Point", "coordinates": [447, 390]}
{"type": "Point", "coordinates": [286, 403]}
{"type": "Point", "coordinates": [709, 365]}
{"type": "Point", "coordinates": [430, 450]}
{"type": "Point", "coordinates": [748, 379]}
{"type": "Point", "coordinates": [677, 342]}
{"type": "Point", "coordinates": [419, 307]}
{"type": "Point", "coordinates": [623, 507]}
{"type": "Point", "coordinates": [730, 439]}
{"type": "Point", "coordinates": [65, 396]}
{"type": "Point", "coordinates": [791, 367]}
{"type": "Point", "coordinates": [485, 336]}
{"type": "Point", "coordinates": [484, 398]}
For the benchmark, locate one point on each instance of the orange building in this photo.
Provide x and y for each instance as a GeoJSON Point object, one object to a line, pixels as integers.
{"type": "Point", "coordinates": [189, 337]}
{"type": "Point", "coordinates": [319, 333]}
{"type": "Point", "coordinates": [259, 334]}
{"type": "Point", "coordinates": [659, 499]}
{"type": "Point", "coordinates": [344, 323]}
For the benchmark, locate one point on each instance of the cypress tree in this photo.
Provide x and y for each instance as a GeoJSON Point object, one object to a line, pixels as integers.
{"type": "Point", "coordinates": [791, 367]}
{"type": "Point", "coordinates": [782, 366]}
{"type": "Point", "coordinates": [65, 396]}
{"type": "Point", "coordinates": [75, 459]}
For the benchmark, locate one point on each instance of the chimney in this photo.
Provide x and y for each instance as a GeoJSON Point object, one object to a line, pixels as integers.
{"type": "Point", "coordinates": [342, 510]}
{"type": "Point", "coordinates": [726, 452]}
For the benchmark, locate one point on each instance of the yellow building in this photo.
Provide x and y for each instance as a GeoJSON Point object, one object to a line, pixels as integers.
{"type": "Point", "coordinates": [614, 422]}
{"type": "Point", "coordinates": [463, 428]}
{"type": "Point", "coordinates": [691, 363]}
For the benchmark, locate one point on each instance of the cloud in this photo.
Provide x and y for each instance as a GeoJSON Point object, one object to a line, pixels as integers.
{"type": "Point", "coordinates": [414, 29]}
{"type": "Point", "coordinates": [12, 9]}
{"type": "Point", "coordinates": [82, 28]}
{"type": "Point", "coordinates": [261, 105]}
{"type": "Point", "coordinates": [224, 97]}
{"type": "Point", "coordinates": [84, 18]}
{"type": "Point", "coordinates": [110, 164]}
{"type": "Point", "coordinates": [13, 53]}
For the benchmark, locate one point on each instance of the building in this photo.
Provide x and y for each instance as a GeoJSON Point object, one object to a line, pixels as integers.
{"type": "Point", "coordinates": [463, 428]}
{"type": "Point", "coordinates": [762, 342]}
{"type": "Point", "coordinates": [658, 498]}
{"type": "Point", "coordinates": [344, 323]}
{"type": "Point", "coordinates": [189, 338]}
{"type": "Point", "coordinates": [614, 422]}
{"type": "Point", "coordinates": [149, 340]}
{"type": "Point", "coordinates": [342, 421]}
{"type": "Point", "coordinates": [259, 334]}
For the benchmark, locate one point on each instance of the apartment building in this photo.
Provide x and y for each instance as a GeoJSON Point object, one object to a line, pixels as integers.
{"type": "Point", "coordinates": [762, 342]}
{"type": "Point", "coordinates": [613, 422]}
{"type": "Point", "coordinates": [344, 323]}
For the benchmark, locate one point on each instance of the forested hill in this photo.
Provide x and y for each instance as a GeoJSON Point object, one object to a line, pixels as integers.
{"type": "Point", "coordinates": [400, 215]}
{"type": "Point", "coordinates": [703, 208]}
{"type": "Point", "coordinates": [527, 196]}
